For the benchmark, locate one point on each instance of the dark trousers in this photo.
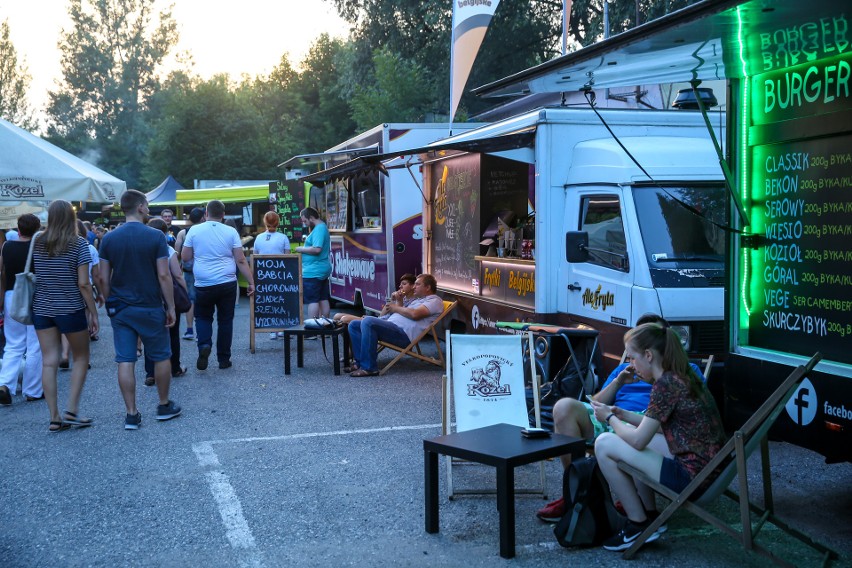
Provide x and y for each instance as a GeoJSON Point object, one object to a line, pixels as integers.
{"type": "Point", "coordinates": [219, 299]}
{"type": "Point", "coordinates": [174, 341]}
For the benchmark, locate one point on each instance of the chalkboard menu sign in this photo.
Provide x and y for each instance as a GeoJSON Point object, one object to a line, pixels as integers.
{"type": "Point", "coordinates": [277, 301]}
{"type": "Point", "coordinates": [801, 274]}
{"type": "Point", "coordinates": [288, 199]}
{"type": "Point", "coordinates": [455, 222]}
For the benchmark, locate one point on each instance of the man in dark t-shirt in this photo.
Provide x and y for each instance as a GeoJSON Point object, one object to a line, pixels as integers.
{"type": "Point", "coordinates": [135, 281]}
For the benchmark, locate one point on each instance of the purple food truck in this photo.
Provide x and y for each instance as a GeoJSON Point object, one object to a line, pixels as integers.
{"type": "Point", "coordinates": [374, 213]}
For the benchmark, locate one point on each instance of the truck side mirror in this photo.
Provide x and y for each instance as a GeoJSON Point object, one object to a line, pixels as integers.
{"type": "Point", "coordinates": [577, 246]}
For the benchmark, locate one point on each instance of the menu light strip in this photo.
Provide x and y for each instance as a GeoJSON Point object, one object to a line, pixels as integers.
{"type": "Point", "coordinates": [744, 152]}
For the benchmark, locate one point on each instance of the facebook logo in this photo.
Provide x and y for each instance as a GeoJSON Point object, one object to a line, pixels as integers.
{"type": "Point", "coordinates": [474, 316]}
{"type": "Point", "coordinates": [803, 405]}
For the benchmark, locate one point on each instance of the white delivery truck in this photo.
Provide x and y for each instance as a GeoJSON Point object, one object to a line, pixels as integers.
{"type": "Point", "coordinates": [533, 188]}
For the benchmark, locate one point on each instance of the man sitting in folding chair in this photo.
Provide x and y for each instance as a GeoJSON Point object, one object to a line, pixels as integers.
{"type": "Point", "coordinates": [576, 418]}
{"type": "Point", "coordinates": [682, 405]}
{"type": "Point", "coordinates": [404, 324]}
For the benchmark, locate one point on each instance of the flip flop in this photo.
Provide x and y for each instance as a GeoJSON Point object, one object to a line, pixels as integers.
{"type": "Point", "coordinates": [71, 419]}
{"type": "Point", "coordinates": [180, 372]}
{"type": "Point", "coordinates": [363, 373]}
{"type": "Point", "coordinates": [60, 426]}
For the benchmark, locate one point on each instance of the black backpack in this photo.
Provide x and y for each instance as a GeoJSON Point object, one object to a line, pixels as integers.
{"type": "Point", "coordinates": [590, 516]}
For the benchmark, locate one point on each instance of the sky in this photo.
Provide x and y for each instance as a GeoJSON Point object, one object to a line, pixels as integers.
{"type": "Point", "coordinates": [224, 36]}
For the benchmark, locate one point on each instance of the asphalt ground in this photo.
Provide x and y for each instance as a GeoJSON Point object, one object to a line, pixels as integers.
{"type": "Point", "coordinates": [313, 469]}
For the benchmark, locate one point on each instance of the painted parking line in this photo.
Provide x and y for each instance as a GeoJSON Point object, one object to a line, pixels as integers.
{"type": "Point", "coordinates": [237, 530]}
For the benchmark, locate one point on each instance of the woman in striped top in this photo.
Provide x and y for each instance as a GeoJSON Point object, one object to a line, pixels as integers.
{"type": "Point", "coordinates": [63, 304]}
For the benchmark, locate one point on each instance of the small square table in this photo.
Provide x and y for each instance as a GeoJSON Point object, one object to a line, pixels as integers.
{"type": "Point", "coordinates": [503, 447]}
{"type": "Point", "coordinates": [300, 332]}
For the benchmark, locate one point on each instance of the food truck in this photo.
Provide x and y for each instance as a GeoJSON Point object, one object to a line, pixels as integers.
{"type": "Point", "coordinates": [368, 213]}
{"type": "Point", "coordinates": [787, 156]}
{"type": "Point", "coordinates": [503, 197]}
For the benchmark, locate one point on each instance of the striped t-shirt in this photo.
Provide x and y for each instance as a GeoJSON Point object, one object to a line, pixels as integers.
{"type": "Point", "coordinates": [56, 291]}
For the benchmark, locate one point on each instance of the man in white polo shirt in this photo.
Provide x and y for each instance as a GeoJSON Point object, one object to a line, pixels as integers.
{"type": "Point", "coordinates": [216, 254]}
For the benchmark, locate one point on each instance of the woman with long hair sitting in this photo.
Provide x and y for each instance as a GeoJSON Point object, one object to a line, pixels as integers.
{"type": "Point", "coordinates": [680, 405]}
{"type": "Point", "coordinates": [63, 304]}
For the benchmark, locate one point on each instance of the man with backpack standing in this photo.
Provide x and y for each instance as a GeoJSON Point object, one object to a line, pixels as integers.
{"type": "Point", "coordinates": [135, 280]}
{"type": "Point", "coordinates": [196, 217]}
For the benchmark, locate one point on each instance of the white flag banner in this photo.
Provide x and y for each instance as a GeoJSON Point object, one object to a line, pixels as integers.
{"type": "Point", "coordinates": [488, 381]}
{"type": "Point", "coordinates": [470, 22]}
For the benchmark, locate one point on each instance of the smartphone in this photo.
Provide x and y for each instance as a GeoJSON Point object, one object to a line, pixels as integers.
{"type": "Point", "coordinates": [535, 433]}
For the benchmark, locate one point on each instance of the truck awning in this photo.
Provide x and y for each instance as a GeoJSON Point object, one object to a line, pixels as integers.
{"type": "Point", "coordinates": [375, 162]}
{"type": "Point", "coordinates": [709, 40]}
{"type": "Point", "coordinates": [320, 157]}
{"type": "Point", "coordinates": [225, 195]}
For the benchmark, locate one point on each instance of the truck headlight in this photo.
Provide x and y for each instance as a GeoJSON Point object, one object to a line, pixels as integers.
{"type": "Point", "coordinates": [685, 335]}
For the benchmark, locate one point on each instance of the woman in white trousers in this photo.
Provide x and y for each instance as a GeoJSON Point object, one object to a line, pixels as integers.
{"type": "Point", "coordinates": [21, 340]}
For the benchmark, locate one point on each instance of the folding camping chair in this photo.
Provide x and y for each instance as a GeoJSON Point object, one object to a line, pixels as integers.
{"type": "Point", "coordinates": [736, 451]}
{"type": "Point", "coordinates": [468, 382]}
{"type": "Point", "coordinates": [413, 348]}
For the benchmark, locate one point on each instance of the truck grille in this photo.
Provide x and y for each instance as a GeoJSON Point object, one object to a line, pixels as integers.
{"type": "Point", "coordinates": [708, 336]}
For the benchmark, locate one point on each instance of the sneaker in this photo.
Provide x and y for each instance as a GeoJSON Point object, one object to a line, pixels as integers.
{"type": "Point", "coordinates": [5, 396]}
{"type": "Point", "coordinates": [225, 364]}
{"type": "Point", "coordinates": [132, 422]}
{"type": "Point", "coordinates": [281, 334]}
{"type": "Point", "coordinates": [167, 411]}
{"type": "Point", "coordinates": [273, 336]}
{"type": "Point", "coordinates": [553, 511]}
{"type": "Point", "coordinates": [624, 539]}
{"type": "Point", "coordinates": [189, 335]}
{"type": "Point", "coordinates": [203, 355]}
{"type": "Point", "coordinates": [150, 381]}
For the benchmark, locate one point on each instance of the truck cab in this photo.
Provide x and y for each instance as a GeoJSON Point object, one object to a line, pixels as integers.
{"type": "Point", "coordinates": [636, 244]}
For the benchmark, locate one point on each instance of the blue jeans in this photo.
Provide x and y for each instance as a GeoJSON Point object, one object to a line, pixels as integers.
{"type": "Point", "coordinates": [221, 299]}
{"type": "Point", "coordinates": [366, 334]}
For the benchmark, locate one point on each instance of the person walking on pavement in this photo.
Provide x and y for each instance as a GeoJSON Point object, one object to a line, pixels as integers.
{"type": "Point", "coordinates": [21, 339]}
{"type": "Point", "coordinates": [63, 303]}
{"type": "Point", "coordinates": [196, 216]}
{"type": "Point", "coordinates": [316, 267]}
{"type": "Point", "coordinates": [135, 280]}
{"type": "Point", "coordinates": [216, 252]}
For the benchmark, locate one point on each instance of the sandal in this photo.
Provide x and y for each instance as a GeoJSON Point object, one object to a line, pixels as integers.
{"type": "Point", "coordinates": [351, 368]}
{"type": "Point", "coordinates": [57, 427]}
{"type": "Point", "coordinates": [149, 381]}
{"type": "Point", "coordinates": [180, 372]}
{"type": "Point", "coordinates": [71, 419]}
{"type": "Point", "coordinates": [63, 364]}
{"type": "Point", "coordinates": [363, 373]}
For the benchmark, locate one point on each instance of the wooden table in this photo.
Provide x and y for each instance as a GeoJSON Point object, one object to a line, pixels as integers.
{"type": "Point", "coordinates": [301, 333]}
{"type": "Point", "coordinates": [503, 447]}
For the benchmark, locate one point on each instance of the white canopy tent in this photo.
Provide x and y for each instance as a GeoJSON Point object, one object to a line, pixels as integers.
{"type": "Point", "coordinates": [34, 172]}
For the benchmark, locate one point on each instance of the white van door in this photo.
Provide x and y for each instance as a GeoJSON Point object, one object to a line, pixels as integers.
{"type": "Point", "coordinates": [600, 289]}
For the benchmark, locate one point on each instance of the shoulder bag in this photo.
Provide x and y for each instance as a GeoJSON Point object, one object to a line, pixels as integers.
{"type": "Point", "coordinates": [21, 308]}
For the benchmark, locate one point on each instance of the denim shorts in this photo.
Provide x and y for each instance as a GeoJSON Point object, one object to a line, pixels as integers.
{"type": "Point", "coordinates": [674, 476]}
{"type": "Point", "coordinates": [315, 290]}
{"type": "Point", "coordinates": [68, 323]}
{"type": "Point", "coordinates": [132, 322]}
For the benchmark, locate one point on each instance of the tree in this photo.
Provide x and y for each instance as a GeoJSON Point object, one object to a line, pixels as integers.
{"type": "Point", "coordinates": [110, 59]}
{"type": "Point", "coordinates": [401, 92]}
{"type": "Point", "coordinates": [14, 83]}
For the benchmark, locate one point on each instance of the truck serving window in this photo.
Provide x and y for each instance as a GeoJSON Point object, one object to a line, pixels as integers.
{"type": "Point", "coordinates": [600, 217]}
{"type": "Point", "coordinates": [673, 235]}
{"type": "Point", "coordinates": [337, 203]}
{"type": "Point", "coordinates": [367, 202]}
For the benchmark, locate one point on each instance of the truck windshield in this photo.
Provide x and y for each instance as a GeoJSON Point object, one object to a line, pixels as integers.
{"type": "Point", "coordinates": [673, 235]}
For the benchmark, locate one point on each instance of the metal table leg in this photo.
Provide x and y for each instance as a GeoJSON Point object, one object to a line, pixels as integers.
{"type": "Point", "coordinates": [506, 506]}
{"type": "Point", "coordinates": [430, 460]}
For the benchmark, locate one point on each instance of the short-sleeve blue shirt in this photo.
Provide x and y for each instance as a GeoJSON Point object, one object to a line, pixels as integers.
{"type": "Point", "coordinates": [132, 251]}
{"type": "Point", "coordinates": [636, 396]}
